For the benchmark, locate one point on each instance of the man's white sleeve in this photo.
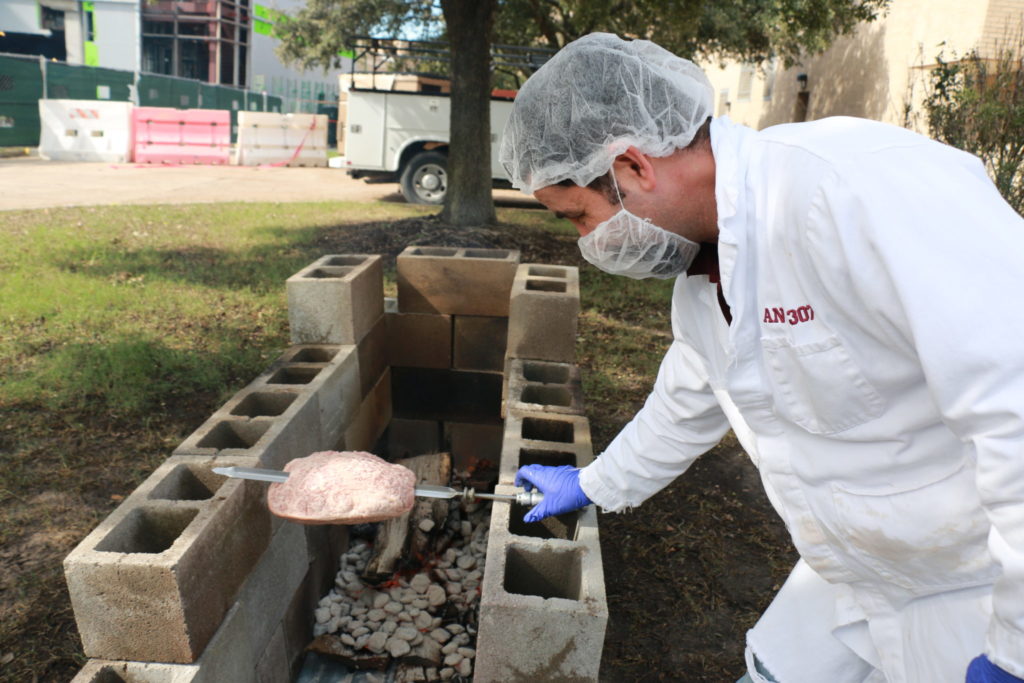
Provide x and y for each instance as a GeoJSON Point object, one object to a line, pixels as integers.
{"type": "Point", "coordinates": [680, 420]}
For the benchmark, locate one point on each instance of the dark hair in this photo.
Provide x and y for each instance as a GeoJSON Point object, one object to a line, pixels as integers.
{"type": "Point", "coordinates": [603, 183]}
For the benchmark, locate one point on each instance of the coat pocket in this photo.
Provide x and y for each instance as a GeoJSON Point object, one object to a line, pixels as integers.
{"type": "Point", "coordinates": [933, 536]}
{"type": "Point", "coordinates": [818, 386]}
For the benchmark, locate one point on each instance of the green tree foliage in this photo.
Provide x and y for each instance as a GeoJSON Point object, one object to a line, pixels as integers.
{"type": "Point", "coordinates": [977, 104]}
{"type": "Point", "coordinates": [751, 30]}
{"type": "Point", "coordinates": [748, 30]}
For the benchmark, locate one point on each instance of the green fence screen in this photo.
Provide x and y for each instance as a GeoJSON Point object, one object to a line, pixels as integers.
{"type": "Point", "coordinates": [23, 80]}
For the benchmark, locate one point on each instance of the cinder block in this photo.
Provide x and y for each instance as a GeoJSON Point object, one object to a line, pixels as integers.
{"type": "Point", "coordinates": [273, 665]}
{"type": "Point", "coordinates": [479, 342]}
{"type": "Point", "coordinates": [456, 281]}
{"type": "Point", "coordinates": [372, 418]}
{"type": "Point", "coordinates": [336, 299]}
{"type": "Point", "coordinates": [407, 438]}
{"type": "Point", "coordinates": [420, 340]}
{"type": "Point", "coordinates": [543, 308]}
{"type": "Point", "coordinates": [452, 395]}
{"type": "Point", "coordinates": [543, 439]}
{"type": "Point", "coordinates": [541, 594]}
{"type": "Point", "coordinates": [259, 610]}
{"type": "Point", "coordinates": [542, 386]}
{"type": "Point", "coordinates": [153, 581]}
{"type": "Point", "coordinates": [109, 671]}
{"type": "Point", "coordinates": [373, 355]}
{"type": "Point", "coordinates": [472, 443]}
{"type": "Point", "coordinates": [300, 404]}
{"type": "Point", "coordinates": [274, 422]}
{"type": "Point", "coordinates": [338, 388]}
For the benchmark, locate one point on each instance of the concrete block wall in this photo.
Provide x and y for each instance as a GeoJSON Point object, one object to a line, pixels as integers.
{"type": "Point", "coordinates": [336, 299]}
{"type": "Point", "coordinates": [425, 375]}
{"type": "Point", "coordinates": [543, 610]}
{"type": "Point", "coordinates": [154, 580]}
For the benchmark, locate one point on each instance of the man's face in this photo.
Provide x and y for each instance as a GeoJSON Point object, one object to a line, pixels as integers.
{"type": "Point", "coordinates": [584, 207]}
{"type": "Point", "coordinates": [677, 193]}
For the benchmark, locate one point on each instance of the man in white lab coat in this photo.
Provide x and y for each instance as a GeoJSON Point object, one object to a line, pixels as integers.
{"type": "Point", "coordinates": [848, 301]}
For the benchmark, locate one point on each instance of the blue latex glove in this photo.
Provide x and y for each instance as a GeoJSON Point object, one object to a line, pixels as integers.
{"type": "Point", "coordinates": [560, 486]}
{"type": "Point", "coordinates": [983, 671]}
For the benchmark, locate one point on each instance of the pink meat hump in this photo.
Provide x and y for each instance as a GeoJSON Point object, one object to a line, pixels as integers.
{"type": "Point", "coordinates": [342, 488]}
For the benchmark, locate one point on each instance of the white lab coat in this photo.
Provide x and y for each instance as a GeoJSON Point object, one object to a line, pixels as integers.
{"type": "Point", "coordinates": [874, 371]}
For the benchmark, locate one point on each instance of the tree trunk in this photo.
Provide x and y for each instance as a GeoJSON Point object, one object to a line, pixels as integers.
{"type": "Point", "coordinates": [468, 201]}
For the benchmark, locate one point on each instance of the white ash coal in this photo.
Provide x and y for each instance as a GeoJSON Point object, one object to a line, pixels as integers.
{"type": "Point", "coordinates": [426, 619]}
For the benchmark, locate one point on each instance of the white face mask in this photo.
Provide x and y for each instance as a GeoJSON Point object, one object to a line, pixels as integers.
{"type": "Point", "coordinates": [626, 244]}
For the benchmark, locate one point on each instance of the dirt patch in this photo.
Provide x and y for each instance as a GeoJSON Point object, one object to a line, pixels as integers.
{"type": "Point", "coordinates": [686, 574]}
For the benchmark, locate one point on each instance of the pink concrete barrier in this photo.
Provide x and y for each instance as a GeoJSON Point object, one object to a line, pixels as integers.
{"type": "Point", "coordinates": [181, 136]}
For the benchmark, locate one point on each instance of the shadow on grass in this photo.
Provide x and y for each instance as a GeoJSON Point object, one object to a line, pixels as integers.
{"type": "Point", "coordinates": [265, 268]}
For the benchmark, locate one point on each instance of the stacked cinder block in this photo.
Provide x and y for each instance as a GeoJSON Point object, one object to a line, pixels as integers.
{"type": "Point", "coordinates": [543, 590]}
{"type": "Point", "coordinates": [191, 578]}
{"type": "Point", "coordinates": [155, 579]}
{"type": "Point", "coordinates": [447, 340]}
{"type": "Point", "coordinates": [543, 309]}
{"type": "Point", "coordinates": [543, 610]}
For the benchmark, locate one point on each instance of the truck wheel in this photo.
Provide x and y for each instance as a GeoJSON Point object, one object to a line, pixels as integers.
{"type": "Point", "coordinates": [425, 178]}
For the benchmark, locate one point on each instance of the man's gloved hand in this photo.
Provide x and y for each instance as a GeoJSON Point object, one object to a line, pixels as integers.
{"type": "Point", "coordinates": [981, 670]}
{"type": "Point", "coordinates": [560, 486]}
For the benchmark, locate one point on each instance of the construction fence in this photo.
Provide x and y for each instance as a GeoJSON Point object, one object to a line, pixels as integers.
{"type": "Point", "coordinates": [24, 80]}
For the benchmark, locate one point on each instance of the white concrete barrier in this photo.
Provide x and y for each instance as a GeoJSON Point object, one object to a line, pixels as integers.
{"type": "Point", "coordinates": [281, 139]}
{"type": "Point", "coordinates": [85, 130]}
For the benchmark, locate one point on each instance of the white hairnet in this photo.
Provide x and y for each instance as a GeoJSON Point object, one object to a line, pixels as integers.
{"type": "Point", "coordinates": [595, 98]}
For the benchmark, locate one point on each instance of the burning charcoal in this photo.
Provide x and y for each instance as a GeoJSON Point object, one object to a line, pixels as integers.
{"type": "Point", "coordinates": [450, 648]}
{"type": "Point", "coordinates": [377, 642]}
{"type": "Point", "coordinates": [436, 623]}
{"type": "Point", "coordinates": [452, 659]}
{"type": "Point", "coordinates": [420, 603]}
{"type": "Point", "coordinates": [322, 614]}
{"type": "Point", "coordinates": [455, 629]}
{"type": "Point", "coordinates": [426, 525]}
{"type": "Point", "coordinates": [362, 640]}
{"type": "Point", "coordinates": [359, 611]}
{"type": "Point", "coordinates": [447, 673]}
{"type": "Point", "coordinates": [406, 632]}
{"type": "Point", "coordinates": [453, 575]}
{"type": "Point", "coordinates": [360, 631]}
{"type": "Point", "coordinates": [376, 615]}
{"type": "Point", "coordinates": [348, 640]}
{"type": "Point", "coordinates": [404, 618]}
{"type": "Point", "coordinates": [423, 620]}
{"type": "Point", "coordinates": [398, 647]}
{"type": "Point", "coordinates": [467, 652]}
{"type": "Point", "coordinates": [435, 595]}
{"type": "Point", "coordinates": [450, 555]}
{"type": "Point", "coordinates": [380, 599]}
{"type": "Point", "coordinates": [465, 668]}
{"type": "Point", "coordinates": [420, 583]}
{"type": "Point", "coordinates": [440, 635]}
{"type": "Point", "coordinates": [393, 608]}
{"type": "Point", "coordinates": [431, 673]}
{"type": "Point", "coordinates": [466, 528]}
{"type": "Point", "coordinates": [466, 562]}
{"type": "Point", "coordinates": [389, 626]}
{"type": "Point", "coordinates": [319, 630]}
{"type": "Point", "coordinates": [453, 588]}
{"type": "Point", "coordinates": [334, 625]}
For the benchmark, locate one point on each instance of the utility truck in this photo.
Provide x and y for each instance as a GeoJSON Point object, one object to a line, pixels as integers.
{"type": "Point", "coordinates": [388, 135]}
{"type": "Point", "coordinates": [393, 125]}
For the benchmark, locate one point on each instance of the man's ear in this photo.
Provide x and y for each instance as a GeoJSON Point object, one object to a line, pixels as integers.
{"type": "Point", "coordinates": [633, 169]}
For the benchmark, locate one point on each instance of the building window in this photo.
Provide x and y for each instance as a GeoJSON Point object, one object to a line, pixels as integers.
{"type": "Point", "coordinates": [746, 83]}
{"type": "Point", "coordinates": [769, 80]}
{"type": "Point", "coordinates": [723, 102]}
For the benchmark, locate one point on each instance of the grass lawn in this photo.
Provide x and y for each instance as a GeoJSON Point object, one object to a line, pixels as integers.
{"type": "Point", "coordinates": [123, 328]}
